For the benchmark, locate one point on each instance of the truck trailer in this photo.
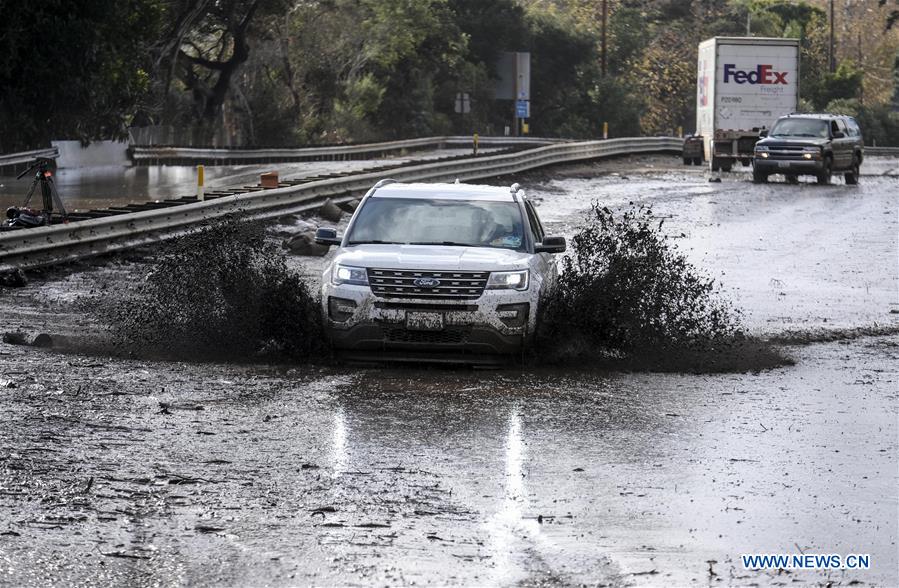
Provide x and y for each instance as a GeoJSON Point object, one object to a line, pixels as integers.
{"type": "Point", "coordinates": [743, 85]}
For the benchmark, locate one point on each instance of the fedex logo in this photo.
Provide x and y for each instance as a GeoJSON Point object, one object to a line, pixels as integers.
{"type": "Point", "coordinates": [763, 74]}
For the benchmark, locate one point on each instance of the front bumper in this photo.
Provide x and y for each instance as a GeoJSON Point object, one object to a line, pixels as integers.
{"type": "Point", "coordinates": [788, 166]}
{"type": "Point", "coordinates": [469, 327]}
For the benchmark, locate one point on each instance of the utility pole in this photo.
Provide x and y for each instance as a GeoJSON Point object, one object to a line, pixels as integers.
{"type": "Point", "coordinates": [605, 18]}
{"type": "Point", "coordinates": [831, 56]}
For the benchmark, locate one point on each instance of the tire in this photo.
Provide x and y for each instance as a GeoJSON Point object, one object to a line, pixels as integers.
{"type": "Point", "coordinates": [759, 177]}
{"type": "Point", "coordinates": [697, 161]}
{"type": "Point", "coordinates": [851, 176]}
{"type": "Point", "coordinates": [687, 161]}
{"type": "Point", "coordinates": [727, 166]}
{"type": "Point", "coordinates": [792, 178]}
{"type": "Point", "coordinates": [745, 162]}
{"type": "Point", "coordinates": [824, 176]}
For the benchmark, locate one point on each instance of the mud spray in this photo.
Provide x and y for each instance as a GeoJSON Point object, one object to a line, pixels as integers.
{"type": "Point", "coordinates": [222, 292]}
{"type": "Point", "coordinates": [626, 299]}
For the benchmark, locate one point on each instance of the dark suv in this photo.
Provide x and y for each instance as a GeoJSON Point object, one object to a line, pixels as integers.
{"type": "Point", "coordinates": [809, 144]}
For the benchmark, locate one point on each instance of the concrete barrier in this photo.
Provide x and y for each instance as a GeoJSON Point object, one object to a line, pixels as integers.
{"type": "Point", "coordinates": [95, 154]}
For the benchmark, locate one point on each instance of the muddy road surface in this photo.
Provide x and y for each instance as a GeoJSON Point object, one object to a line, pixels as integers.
{"type": "Point", "coordinates": [163, 473]}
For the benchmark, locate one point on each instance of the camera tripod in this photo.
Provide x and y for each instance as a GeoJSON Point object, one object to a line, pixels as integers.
{"type": "Point", "coordinates": [44, 177]}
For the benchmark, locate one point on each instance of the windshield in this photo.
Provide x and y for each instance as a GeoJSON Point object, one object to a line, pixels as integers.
{"type": "Point", "coordinates": [800, 127]}
{"type": "Point", "coordinates": [420, 221]}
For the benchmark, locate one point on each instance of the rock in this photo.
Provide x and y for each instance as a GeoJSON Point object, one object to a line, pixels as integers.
{"type": "Point", "coordinates": [350, 206]}
{"type": "Point", "coordinates": [13, 278]}
{"type": "Point", "coordinates": [43, 340]}
{"type": "Point", "coordinates": [304, 244]}
{"type": "Point", "coordinates": [330, 211]}
{"type": "Point", "coordinates": [14, 338]}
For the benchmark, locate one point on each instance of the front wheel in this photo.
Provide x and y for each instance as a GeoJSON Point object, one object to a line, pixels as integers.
{"type": "Point", "coordinates": [852, 175]}
{"type": "Point", "coordinates": [824, 176]}
{"type": "Point", "coordinates": [759, 177]}
{"type": "Point", "coordinates": [688, 160]}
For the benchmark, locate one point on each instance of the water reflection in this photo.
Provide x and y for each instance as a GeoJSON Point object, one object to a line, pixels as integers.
{"type": "Point", "coordinates": [339, 452]}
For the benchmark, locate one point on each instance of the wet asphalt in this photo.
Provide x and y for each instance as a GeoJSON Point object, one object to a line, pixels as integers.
{"type": "Point", "coordinates": [146, 473]}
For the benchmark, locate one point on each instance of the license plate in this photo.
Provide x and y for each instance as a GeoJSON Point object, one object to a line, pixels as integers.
{"type": "Point", "coordinates": [424, 321]}
{"type": "Point", "coordinates": [783, 164]}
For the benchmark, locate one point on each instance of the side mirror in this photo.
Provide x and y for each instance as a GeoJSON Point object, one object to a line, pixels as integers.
{"type": "Point", "coordinates": [763, 133]}
{"type": "Point", "coordinates": [838, 134]}
{"type": "Point", "coordinates": [327, 237]}
{"type": "Point", "coordinates": [551, 245]}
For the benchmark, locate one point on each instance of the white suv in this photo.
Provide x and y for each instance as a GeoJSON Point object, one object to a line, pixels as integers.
{"type": "Point", "coordinates": [435, 271]}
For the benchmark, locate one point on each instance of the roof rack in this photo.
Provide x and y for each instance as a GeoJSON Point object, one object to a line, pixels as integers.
{"type": "Point", "coordinates": [384, 182]}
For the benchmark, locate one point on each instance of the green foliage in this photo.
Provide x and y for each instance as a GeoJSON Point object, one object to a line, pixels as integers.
{"type": "Point", "coordinates": [879, 123]}
{"type": "Point", "coordinates": [72, 69]}
{"type": "Point", "coordinates": [321, 71]}
{"type": "Point", "coordinates": [845, 83]}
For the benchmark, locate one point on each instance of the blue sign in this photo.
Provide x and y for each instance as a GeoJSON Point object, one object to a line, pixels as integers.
{"type": "Point", "coordinates": [523, 108]}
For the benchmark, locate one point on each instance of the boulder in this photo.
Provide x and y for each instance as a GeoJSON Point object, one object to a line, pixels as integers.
{"type": "Point", "coordinates": [350, 206]}
{"type": "Point", "coordinates": [330, 211]}
{"type": "Point", "coordinates": [14, 338]}
{"type": "Point", "coordinates": [304, 244]}
{"type": "Point", "coordinates": [13, 279]}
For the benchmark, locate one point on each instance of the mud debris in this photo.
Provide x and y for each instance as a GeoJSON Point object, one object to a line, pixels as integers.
{"type": "Point", "coordinates": [223, 292]}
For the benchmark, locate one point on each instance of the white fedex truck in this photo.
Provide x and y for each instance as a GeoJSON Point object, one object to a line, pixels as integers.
{"type": "Point", "coordinates": [743, 85]}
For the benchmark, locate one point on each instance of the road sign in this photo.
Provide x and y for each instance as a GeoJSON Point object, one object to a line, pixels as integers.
{"type": "Point", "coordinates": [523, 108]}
{"type": "Point", "coordinates": [513, 69]}
{"type": "Point", "coordinates": [463, 103]}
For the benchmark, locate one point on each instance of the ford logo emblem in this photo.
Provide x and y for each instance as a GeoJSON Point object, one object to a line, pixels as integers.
{"type": "Point", "coordinates": [427, 282]}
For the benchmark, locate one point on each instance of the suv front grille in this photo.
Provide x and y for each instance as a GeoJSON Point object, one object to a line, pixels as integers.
{"type": "Point", "coordinates": [450, 335]}
{"type": "Point", "coordinates": [390, 283]}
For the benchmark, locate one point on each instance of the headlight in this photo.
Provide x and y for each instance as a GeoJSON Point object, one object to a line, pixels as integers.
{"type": "Point", "coordinates": [763, 154]}
{"type": "Point", "coordinates": [508, 280]}
{"type": "Point", "coordinates": [345, 274]}
{"type": "Point", "coordinates": [806, 156]}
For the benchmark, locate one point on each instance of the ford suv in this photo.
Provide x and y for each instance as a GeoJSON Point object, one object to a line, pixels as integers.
{"type": "Point", "coordinates": [810, 144]}
{"type": "Point", "coordinates": [437, 272]}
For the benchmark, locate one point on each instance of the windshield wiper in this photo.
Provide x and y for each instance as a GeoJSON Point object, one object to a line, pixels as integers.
{"type": "Point", "coordinates": [449, 243]}
{"type": "Point", "coordinates": [374, 242]}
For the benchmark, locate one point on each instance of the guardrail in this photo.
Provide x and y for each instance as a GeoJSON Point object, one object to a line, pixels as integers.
{"type": "Point", "coordinates": [881, 150]}
{"type": "Point", "coordinates": [218, 156]}
{"type": "Point", "coordinates": [28, 156]}
{"type": "Point", "coordinates": [60, 243]}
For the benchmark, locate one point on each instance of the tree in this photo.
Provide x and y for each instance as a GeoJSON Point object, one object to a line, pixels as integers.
{"type": "Point", "coordinates": [72, 69]}
{"type": "Point", "coordinates": [211, 51]}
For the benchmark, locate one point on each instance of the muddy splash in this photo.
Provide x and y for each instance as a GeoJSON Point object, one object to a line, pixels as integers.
{"type": "Point", "coordinates": [627, 297]}
{"type": "Point", "coordinates": [222, 292]}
